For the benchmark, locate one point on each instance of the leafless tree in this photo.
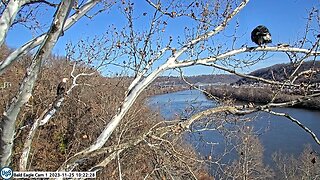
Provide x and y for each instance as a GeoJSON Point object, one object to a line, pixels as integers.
{"type": "Point", "coordinates": [250, 162]}
{"type": "Point", "coordinates": [304, 166]}
{"type": "Point", "coordinates": [145, 53]}
{"type": "Point", "coordinates": [60, 23]}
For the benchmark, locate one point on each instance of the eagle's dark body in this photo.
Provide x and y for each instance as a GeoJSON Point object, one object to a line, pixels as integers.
{"type": "Point", "coordinates": [61, 88]}
{"type": "Point", "coordinates": [261, 35]}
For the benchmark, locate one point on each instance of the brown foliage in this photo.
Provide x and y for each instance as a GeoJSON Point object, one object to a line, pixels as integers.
{"type": "Point", "coordinates": [80, 120]}
{"type": "Point", "coordinates": [305, 166]}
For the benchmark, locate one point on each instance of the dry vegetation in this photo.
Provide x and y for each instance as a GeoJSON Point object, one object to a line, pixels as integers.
{"type": "Point", "coordinates": [305, 166]}
{"type": "Point", "coordinates": [101, 124]}
{"type": "Point", "coordinates": [80, 120]}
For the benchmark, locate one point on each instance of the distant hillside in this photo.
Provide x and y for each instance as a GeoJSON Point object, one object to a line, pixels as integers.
{"type": "Point", "coordinates": [281, 72]}
{"type": "Point", "coordinates": [204, 79]}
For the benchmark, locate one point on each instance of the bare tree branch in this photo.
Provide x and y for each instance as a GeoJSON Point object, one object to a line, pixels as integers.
{"type": "Point", "coordinates": [255, 77]}
{"type": "Point", "coordinates": [161, 129]}
{"type": "Point", "coordinates": [296, 121]}
{"type": "Point", "coordinates": [234, 52]}
{"type": "Point", "coordinates": [38, 40]}
{"type": "Point", "coordinates": [46, 116]}
{"type": "Point", "coordinates": [145, 69]}
{"type": "Point", "coordinates": [25, 91]}
{"type": "Point", "coordinates": [143, 84]}
{"type": "Point", "coordinates": [42, 1]}
{"type": "Point", "coordinates": [144, 52]}
{"type": "Point", "coordinates": [8, 17]}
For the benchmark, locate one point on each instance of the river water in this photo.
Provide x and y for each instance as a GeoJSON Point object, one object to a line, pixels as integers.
{"type": "Point", "coordinates": [277, 134]}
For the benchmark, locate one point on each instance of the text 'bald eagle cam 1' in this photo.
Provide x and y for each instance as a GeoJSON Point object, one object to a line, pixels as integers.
{"type": "Point", "coordinates": [261, 35]}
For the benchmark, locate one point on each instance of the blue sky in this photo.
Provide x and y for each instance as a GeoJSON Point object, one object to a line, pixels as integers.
{"type": "Point", "coordinates": [286, 20]}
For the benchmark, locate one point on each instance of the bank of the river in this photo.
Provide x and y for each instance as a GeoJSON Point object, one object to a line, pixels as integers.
{"type": "Point", "coordinates": [260, 95]}
{"type": "Point", "coordinates": [277, 134]}
{"type": "Point", "coordinates": [158, 90]}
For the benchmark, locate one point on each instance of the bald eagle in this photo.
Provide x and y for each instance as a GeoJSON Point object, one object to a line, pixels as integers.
{"type": "Point", "coordinates": [62, 87]}
{"type": "Point", "coordinates": [261, 35]}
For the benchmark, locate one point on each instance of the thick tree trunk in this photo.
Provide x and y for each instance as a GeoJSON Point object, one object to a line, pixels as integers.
{"type": "Point", "coordinates": [38, 40]}
{"type": "Point", "coordinates": [8, 16]}
{"type": "Point", "coordinates": [139, 87]}
{"type": "Point", "coordinates": [7, 124]}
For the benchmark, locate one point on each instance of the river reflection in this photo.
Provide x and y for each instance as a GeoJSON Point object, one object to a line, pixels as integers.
{"type": "Point", "coordinates": [276, 133]}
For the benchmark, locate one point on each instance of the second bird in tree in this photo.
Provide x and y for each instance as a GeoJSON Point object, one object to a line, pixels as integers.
{"type": "Point", "coordinates": [62, 86]}
{"type": "Point", "coordinates": [261, 35]}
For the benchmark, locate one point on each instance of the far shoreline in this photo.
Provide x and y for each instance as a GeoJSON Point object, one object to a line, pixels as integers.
{"type": "Point", "coordinates": [260, 96]}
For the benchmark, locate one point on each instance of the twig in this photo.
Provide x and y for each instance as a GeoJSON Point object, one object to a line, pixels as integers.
{"type": "Point", "coordinates": [186, 63]}
{"type": "Point", "coordinates": [314, 136]}
{"type": "Point", "coordinates": [249, 76]}
{"type": "Point", "coordinates": [46, 116]}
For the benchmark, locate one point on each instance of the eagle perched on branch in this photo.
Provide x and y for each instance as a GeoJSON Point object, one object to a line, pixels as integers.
{"type": "Point", "coordinates": [261, 35]}
{"type": "Point", "coordinates": [62, 87]}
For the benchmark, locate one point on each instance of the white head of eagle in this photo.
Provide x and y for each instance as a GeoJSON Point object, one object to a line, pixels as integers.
{"type": "Point", "coordinates": [62, 87]}
{"type": "Point", "coordinates": [261, 35]}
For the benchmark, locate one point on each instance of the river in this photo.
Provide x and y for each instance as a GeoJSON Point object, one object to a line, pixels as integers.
{"type": "Point", "coordinates": [276, 133]}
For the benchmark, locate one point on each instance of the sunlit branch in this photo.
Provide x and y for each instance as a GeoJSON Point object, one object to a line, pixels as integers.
{"type": "Point", "coordinates": [8, 16]}
{"type": "Point", "coordinates": [106, 161]}
{"type": "Point", "coordinates": [206, 35]}
{"type": "Point", "coordinates": [146, 68]}
{"type": "Point", "coordinates": [196, 87]}
{"type": "Point", "coordinates": [38, 40]}
{"type": "Point", "coordinates": [314, 136]}
{"type": "Point", "coordinates": [46, 116]}
{"type": "Point", "coordinates": [161, 129]}
{"type": "Point", "coordinates": [136, 91]}
{"type": "Point", "coordinates": [238, 110]}
{"type": "Point", "coordinates": [248, 75]}
{"type": "Point", "coordinates": [26, 87]}
{"type": "Point", "coordinates": [234, 52]}
{"type": "Point", "coordinates": [306, 72]}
